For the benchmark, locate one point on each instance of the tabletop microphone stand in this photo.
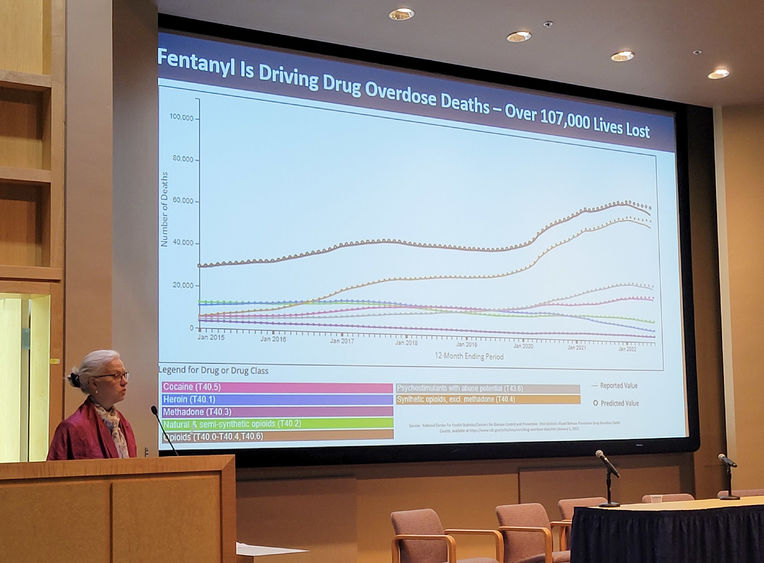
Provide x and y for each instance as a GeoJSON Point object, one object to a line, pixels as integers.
{"type": "Point", "coordinates": [611, 470]}
{"type": "Point", "coordinates": [729, 495]}
{"type": "Point", "coordinates": [610, 503]}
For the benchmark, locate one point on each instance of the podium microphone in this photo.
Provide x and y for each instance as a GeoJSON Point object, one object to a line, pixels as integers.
{"type": "Point", "coordinates": [726, 461]}
{"type": "Point", "coordinates": [600, 454]}
{"type": "Point", "coordinates": [156, 414]}
{"type": "Point", "coordinates": [728, 465]}
{"type": "Point", "coordinates": [611, 470]}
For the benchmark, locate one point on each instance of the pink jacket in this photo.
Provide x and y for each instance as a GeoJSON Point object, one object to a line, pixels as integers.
{"type": "Point", "coordinates": [85, 436]}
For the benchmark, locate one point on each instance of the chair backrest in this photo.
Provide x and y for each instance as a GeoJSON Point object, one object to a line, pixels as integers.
{"type": "Point", "coordinates": [742, 493]}
{"type": "Point", "coordinates": [568, 505]}
{"type": "Point", "coordinates": [519, 545]}
{"type": "Point", "coordinates": [424, 521]}
{"type": "Point", "coordinates": [670, 497]}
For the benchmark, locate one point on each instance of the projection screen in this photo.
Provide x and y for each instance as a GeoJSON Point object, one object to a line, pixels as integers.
{"type": "Point", "coordinates": [368, 262]}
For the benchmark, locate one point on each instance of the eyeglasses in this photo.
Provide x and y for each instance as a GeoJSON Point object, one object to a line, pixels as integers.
{"type": "Point", "coordinates": [115, 376]}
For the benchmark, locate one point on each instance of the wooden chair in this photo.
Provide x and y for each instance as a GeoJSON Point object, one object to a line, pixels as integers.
{"type": "Point", "coordinates": [421, 538]}
{"type": "Point", "coordinates": [742, 493]}
{"type": "Point", "coordinates": [527, 534]}
{"type": "Point", "coordinates": [670, 497]}
{"type": "Point", "coordinates": [567, 506]}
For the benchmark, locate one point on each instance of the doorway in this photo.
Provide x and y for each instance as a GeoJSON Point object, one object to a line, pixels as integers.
{"type": "Point", "coordinates": [24, 376]}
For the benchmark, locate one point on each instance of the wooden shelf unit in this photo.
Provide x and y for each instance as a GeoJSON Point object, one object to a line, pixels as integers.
{"type": "Point", "coordinates": [25, 80]}
{"type": "Point", "coordinates": [32, 152]}
{"type": "Point", "coordinates": [34, 176]}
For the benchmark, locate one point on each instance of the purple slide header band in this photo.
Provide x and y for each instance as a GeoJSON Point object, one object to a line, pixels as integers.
{"type": "Point", "coordinates": [310, 77]}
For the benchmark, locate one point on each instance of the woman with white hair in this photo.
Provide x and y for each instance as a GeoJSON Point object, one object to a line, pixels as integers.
{"type": "Point", "coordinates": [96, 429]}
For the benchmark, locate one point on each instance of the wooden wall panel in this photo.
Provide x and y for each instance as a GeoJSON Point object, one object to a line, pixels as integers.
{"type": "Point", "coordinates": [547, 486]}
{"type": "Point", "coordinates": [144, 509]}
{"type": "Point", "coordinates": [176, 509]}
{"type": "Point", "coordinates": [743, 171]}
{"type": "Point", "coordinates": [314, 514]}
{"type": "Point", "coordinates": [21, 130]}
{"type": "Point", "coordinates": [22, 45]}
{"type": "Point", "coordinates": [51, 511]}
{"type": "Point", "coordinates": [20, 230]}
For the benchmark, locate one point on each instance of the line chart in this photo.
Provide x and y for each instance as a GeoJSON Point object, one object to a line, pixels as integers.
{"type": "Point", "coordinates": [350, 244]}
{"type": "Point", "coordinates": [564, 257]}
{"type": "Point", "coordinates": [617, 313]}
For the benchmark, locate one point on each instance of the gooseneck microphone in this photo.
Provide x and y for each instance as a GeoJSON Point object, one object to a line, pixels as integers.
{"type": "Point", "coordinates": [728, 465]}
{"type": "Point", "coordinates": [156, 415]}
{"type": "Point", "coordinates": [600, 454]}
{"type": "Point", "coordinates": [611, 470]}
{"type": "Point", "coordinates": [726, 461]}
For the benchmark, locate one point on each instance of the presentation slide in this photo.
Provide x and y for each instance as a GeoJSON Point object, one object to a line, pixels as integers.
{"type": "Point", "coordinates": [358, 255]}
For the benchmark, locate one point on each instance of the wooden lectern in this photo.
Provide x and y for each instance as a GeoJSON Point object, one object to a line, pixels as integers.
{"type": "Point", "coordinates": [119, 510]}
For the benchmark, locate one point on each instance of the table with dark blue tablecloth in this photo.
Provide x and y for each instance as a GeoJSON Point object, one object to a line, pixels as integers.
{"type": "Point", "coordinates": [672, 533]}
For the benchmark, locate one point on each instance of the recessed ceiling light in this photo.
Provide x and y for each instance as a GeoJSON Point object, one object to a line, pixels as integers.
{"type": "Point", "coordinates": [697, 52]}
{"type": "Point", "coordinates": [719, 73]}
{"type": "Point", "coordinates": [401, 14]}
{"type": "Point", "coordinates": [519, 36]}
{"type": "Point", "coordinates": [622, 56]}
{"type": "Point", "coordinates": [548, 24]}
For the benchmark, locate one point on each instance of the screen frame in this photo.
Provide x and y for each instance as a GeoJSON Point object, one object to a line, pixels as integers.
{"type": "Point", "coordinates": [264, 457]}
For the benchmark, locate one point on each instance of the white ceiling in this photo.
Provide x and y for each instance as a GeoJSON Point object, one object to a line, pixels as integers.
{"type": "Point", "coordinates": [574, 50]}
